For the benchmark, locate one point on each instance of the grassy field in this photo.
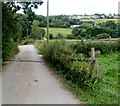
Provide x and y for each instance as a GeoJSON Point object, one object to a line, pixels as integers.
{"type": "Point", "coordinates": [100, 20]}
{"type": "Point", "coordinates": [107, 91]}
{"type": "Point", "coordinates": [109, 85]}
{"type": "Point", "coordinates": [63, 31]}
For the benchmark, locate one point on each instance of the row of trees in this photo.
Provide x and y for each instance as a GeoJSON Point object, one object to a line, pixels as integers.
{"type": "Point", "coordinates": [16, 27]}
{"type": "Point", "coordinates": [60, 21]}
{"type": "Point", "coordinates": [106, 29]}
{"type": "Point", "coordinates": [92, 30]}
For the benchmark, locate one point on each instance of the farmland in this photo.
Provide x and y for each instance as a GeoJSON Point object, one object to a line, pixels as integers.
{"type": "Point", "coordinates": [100, 20]}
{"type": "Point", "coordinates": [63, 31]}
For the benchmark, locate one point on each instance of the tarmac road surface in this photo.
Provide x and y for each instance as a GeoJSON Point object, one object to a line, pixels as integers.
{"type": "Point", "coordinates": [30, 81]}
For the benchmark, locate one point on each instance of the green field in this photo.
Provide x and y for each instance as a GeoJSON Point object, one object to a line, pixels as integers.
{"type": "Point", "coordinates": [109, 85]}
{"type": "Point", "coordinates": [100, 20]}
{"type": "Point", "coordinates": [63, 31]}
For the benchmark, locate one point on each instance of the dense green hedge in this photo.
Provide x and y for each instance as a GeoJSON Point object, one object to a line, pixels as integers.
{"type": "Point", "coordinates": [61, 54]}
{"type": "Point", "coordinates": [104, 46]}
{"type": "Point", "coordinates": [9, 49]}
{"type": "Point", "coordinates": [81, 73]}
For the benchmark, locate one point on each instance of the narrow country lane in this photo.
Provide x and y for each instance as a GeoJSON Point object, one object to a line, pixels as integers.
{"type": "Point", "coordinates": [32, 82]}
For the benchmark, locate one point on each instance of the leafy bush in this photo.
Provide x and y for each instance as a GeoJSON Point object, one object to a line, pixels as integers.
{"type": "Point", "coordinates": [79, 37]}
{"type": "Point", "coordinates": [79, 74]}
{"type": "Point", "coordinates": [60, 35]}
{"type": "Point", "coordinates": [102, 35]}
{"type": "Point", "coordinates": [9, 49]}
{"type": "Point", "coordinates": [37, 33]}
{"type": "Point", "coordinates": [61, 54]}
{"type": "Point", "coordinates": [104, 47]}
{"type": "Point", "coordinates": [51, 36]}
{"type": "Point", "coordinates": [70, 36]}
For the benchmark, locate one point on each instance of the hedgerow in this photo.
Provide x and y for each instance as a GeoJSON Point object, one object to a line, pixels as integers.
{"type": "Point", "coordinates": [61, 54]}
{"type": "Point", "coordinates": [80, 74]}
{"type": "Point", "coordinates": [104, 47]}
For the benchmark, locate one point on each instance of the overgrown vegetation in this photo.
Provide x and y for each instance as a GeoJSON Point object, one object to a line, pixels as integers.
{"type": "Point", "coordinates": [15, 27]}
{"type": "Point", "coordinates": [104, 46]}
{"type": "Point", "coordinates": [10, 32]}
{"type": "Point", "coordinates": [81, 75]}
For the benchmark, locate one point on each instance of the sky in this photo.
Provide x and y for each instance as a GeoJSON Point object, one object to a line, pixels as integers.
{"type": "Point", "coordinates": [70, 7]}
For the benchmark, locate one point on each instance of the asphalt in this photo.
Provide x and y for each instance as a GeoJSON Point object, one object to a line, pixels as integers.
{"type": "Point", "coordinates": [28, 80]}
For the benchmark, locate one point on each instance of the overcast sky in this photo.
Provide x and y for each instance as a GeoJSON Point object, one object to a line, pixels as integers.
{"type": "Point", "coordinates": [69, 7]}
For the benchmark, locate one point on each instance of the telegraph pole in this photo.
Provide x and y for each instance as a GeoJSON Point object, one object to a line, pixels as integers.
{"type": "Point", "coordinates": [47, 21]}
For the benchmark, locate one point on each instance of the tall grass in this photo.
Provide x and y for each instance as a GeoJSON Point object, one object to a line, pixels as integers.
{"type": "Point", "coordinates": [61, 54]}
{"type": "Point", "coordinates": [92, 89]}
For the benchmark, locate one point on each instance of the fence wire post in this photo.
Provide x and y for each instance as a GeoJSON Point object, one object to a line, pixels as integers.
{"type": "Point", "coordinates": [109, 38]}
{"type": "Point", "coordinates": [95, 62]}
{"type": "Point", "coordinates": [92, 53]}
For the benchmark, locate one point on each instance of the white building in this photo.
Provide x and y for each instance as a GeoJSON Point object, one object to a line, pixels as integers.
{"type": "Point", "coordinates": [83, 16]}
{"type": "Point", "coordinates": [74, 26]}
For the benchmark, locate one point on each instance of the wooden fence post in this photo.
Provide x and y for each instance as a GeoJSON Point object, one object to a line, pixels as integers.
{"type": "Point", "coordinates": [109, 38]}
{"type": "Point", "coordinates": [92, 53]}
{"type": "Point", "coordinates": [95, 62]}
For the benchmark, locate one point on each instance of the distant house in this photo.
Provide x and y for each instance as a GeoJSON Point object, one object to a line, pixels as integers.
{"type": "Point", "coordinates": [83, 17]}
{"type": "Point", "coordinates": [116, 16]}
{"type": "Point", "coordinates": [74, 26]}
{"type": "Point", "coordinates": [103, 16]}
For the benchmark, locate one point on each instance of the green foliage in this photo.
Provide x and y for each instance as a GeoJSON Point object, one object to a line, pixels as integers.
{"type": "Point", "coordinates": [70, 36]}
{"type": "Point", "coordinates": [103, 35]}
{"type": "Point", "coordinates": [107, 90]}
{"type": "Point", "coordinates": [89, 29]}
{"type": "Point", "coordinates": [104, 47]}
{"type": "Point", "coordinates": [86, 24]}
{"type": "Point", "coordinates": [25, 25]}
{"type": "Point", "coordinates": [27, 8]}
{"type": "Point", "coordinates": [9, 50]}
{"type": "Point", "coordinates": [37, 32]}
{"type": "Point", "coordinates": [79, 37]}
{"type": "Point", "coordinates": [60, 21]}
{"type": "Point", "coordinates": [93, 31]}
{"type": "Point", "coordinates": [79, 73]}
{"type": "Point", "coordinates": [110, 24]}
{"type": "Point", "coordinates": [75, 32]}
{"type": "Point", "coordinates": [104, 90]}
{"type": "Point", "coordinates": [109, 85]}
{"type": "Point", "coordinates": [10, 32]}
{"type": "Point", "coordinates": [60, 36]}
{"type": "Point", "coordinates": [42, 20]}
{"type": "Point", "coordinates": [51, 36]}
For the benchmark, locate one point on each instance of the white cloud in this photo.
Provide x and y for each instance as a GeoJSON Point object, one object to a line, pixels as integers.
{"type": "Point", "coordinates": [79, 7]}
